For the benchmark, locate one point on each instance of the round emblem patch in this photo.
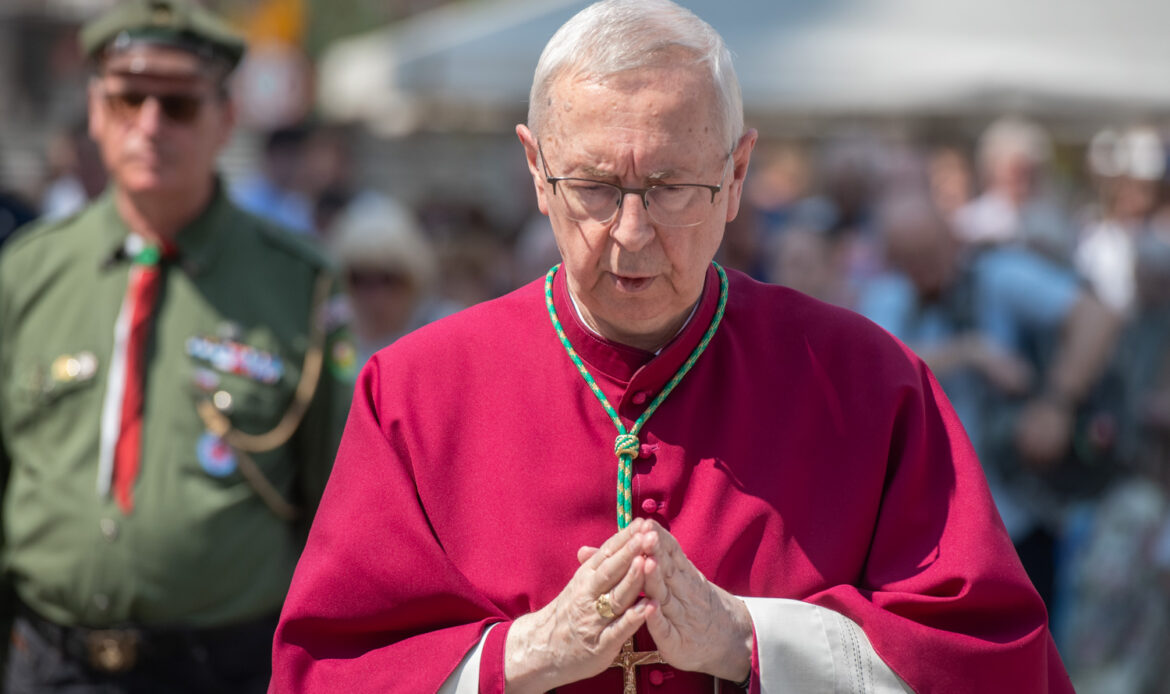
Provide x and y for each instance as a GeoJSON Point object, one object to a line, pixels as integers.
{"type": "Point", "coordinates": [217, 458]}
{"type": "Point", "coordinates": [343, 360]}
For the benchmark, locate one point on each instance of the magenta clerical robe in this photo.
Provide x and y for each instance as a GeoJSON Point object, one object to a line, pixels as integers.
{"type": "Point", "coordinates": [808, 455]}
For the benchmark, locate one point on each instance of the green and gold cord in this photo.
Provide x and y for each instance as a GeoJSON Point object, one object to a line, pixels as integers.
{"type": "Point", "coordinates": [627, 444]}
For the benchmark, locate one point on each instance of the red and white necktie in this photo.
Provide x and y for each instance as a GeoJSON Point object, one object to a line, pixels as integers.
{"type": "Point", "coordinates": [121, 438]}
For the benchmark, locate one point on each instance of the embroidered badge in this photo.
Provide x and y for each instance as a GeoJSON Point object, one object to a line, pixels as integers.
{"type": "Point", "coordinates": [217, 458]}
{"type": "Point", "coordinates": [343, 360]}
{"type": "Point", "coordinates": [73, 367]}
{"type": "Point", "coordinates": [205, 380]}
{"type": "Point", "coordinates": [229, 356]}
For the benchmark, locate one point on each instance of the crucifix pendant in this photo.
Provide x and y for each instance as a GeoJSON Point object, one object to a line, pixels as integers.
{"type": "Point", "coordinates": [629, 659]}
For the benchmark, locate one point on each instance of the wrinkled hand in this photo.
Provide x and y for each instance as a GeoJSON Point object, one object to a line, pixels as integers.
{"type": "Point", "coordinates": [696, 625]}
{"type": "Point", "coordinates": [568, 640]}
{"type": "Point", "coordinates": [1043, 433]}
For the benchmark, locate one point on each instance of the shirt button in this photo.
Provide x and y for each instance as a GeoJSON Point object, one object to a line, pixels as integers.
{"type": "Point", "coordinates": [649, 505]}
{"type": "Point", "coordinates": [647, 450]}
{"type": "Point", "coordinates": [641, 397]}
{"type": "Point", "coordinates": [656, 677]}
{"type": "Point", "coordinates": [109, 529]}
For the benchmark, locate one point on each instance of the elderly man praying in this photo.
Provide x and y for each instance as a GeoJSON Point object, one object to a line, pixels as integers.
{"type": "Point", "coordinates": [646, 473]}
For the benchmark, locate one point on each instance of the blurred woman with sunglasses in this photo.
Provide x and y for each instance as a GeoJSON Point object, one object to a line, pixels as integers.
{"type": "Point", "coordinates": [390, 271]}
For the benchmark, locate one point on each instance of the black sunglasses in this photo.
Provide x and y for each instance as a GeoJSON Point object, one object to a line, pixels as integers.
{"type": "Point", "coordinates": [181, 109]}
{"type": "Point", "coordinates": [375, 279]}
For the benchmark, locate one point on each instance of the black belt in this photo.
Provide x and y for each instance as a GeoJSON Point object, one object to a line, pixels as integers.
{"type": "Point", "coordinates": [122, 649]}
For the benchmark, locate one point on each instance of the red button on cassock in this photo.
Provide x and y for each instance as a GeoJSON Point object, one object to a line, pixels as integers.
{"type": "Point", "coordinates": [649, 505]}
{"type": "Point", "coordinates": [656, 677]}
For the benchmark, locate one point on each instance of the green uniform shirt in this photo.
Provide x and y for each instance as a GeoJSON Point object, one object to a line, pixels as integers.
{"type": "Point", "coordinates": [231, 325]}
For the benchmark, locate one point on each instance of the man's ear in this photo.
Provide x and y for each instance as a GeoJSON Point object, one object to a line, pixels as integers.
{"type": "Point", "coordinates": [739, 162]}
{"type": "Point", "coordinates": [532, 154]}
{"type": "Point", "coordinates": [227, 120]}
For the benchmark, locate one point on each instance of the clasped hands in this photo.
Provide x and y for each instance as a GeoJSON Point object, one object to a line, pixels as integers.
{"type": "Point", "coordinates": [647, 578]}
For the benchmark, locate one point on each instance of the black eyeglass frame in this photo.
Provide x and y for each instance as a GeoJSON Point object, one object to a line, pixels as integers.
{"type": "Point", "coordinates": [640, 192]}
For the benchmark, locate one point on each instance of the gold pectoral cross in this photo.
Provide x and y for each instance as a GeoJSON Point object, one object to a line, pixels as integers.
{"type": "Point", "coordinates": [629, 659]}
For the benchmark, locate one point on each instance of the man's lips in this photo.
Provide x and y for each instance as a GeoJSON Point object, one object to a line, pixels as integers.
{"type": "Point", "coordinates": [630, 283]}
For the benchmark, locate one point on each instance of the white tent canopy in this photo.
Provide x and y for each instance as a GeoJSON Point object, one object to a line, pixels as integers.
{"type": "Point", "coordinates": [879, 57]}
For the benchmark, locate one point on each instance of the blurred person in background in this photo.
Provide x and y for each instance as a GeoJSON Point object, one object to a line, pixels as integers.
{"type": "Point", "coordinates": [167, 418]}
{"type": "Point", "coordinates": [1145, 352]}
{"type": "Point", "coordinates": [327, 208]}
{"type": "Point", "coordinates": [15, 212]}
{"type": "Point", "coordinates": [1116, 631]}
{"type": "Point", "coordinates": [805, 254]}
{"type": "Point", "coordinates": [332, 179]}
{"type": "Point", "coordinates": [781, 178]}
{"type": "Point", "coordinates": [276, 191]}
{"type": "Point", "coordinates": [852, 179]}
{"type": "Point", "coordinates": [76, 173]}
{"type": "Point", "coordinates": [1127, 168]}
{"type": "Point", "coordinates": [475, 266]}
{"type": "Point", "coordinates": [1017, 345]}
{"type": "Point", "coordinates": [801, 258]}
{"type": "Point", "coordinates": [1015, 207]}
{"type": "Point", "coordinates": [952, 185]}
{"type": "Point", "coordinates": [780, 183]}
{"type": "Point", "coordinates": [819, 241]}
{"type": "Point", "coordinates": [390, 274]}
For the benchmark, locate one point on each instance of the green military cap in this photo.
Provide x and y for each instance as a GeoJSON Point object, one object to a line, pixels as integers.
{"type": "Point", "coordinates": [182, 24]}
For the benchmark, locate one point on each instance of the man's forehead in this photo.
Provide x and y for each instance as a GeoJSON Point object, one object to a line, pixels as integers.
{"type": "Point", "coordinates": [158, 61]}
{"type": "Point", "coordinates": [597, 124]}
{"type": "Point", "coordinates": [690, 79]}
{"type": "Point", "coordinates": [156, 84]}
{"type": "Point", "coordinates": [643, 94]}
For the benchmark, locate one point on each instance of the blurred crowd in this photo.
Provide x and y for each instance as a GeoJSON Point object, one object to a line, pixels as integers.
{"type": "Point", "coordinates": [1043, 308]}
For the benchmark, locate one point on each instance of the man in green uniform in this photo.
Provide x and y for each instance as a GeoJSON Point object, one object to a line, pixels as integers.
{"type": "Point", "coordinates": [172, 387]}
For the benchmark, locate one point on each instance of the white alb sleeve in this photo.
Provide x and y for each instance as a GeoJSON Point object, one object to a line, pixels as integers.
{"type": "Point", "coordinates": [814, 650]}
{"type": "Point", "coordinates": [465, 678]}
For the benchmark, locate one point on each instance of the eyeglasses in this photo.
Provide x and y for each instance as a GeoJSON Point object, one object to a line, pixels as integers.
{"type": "Point", "coordinates": [181, 109]}
{"type": "Point", "coordinates": [670, 204]}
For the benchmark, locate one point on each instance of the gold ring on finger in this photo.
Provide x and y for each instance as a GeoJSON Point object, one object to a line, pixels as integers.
{"type": "Point", "coordinates": [605, 607]}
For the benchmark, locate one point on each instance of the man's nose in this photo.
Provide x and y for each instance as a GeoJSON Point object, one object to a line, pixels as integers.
{"type": "Point", "coordinates": [150, 117]}
{"type": "Point", "coordinates": [632, 229]}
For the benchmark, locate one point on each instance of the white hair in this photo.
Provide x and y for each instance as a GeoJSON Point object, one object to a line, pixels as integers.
{"type": "Point", "coordinates": [615, 36]}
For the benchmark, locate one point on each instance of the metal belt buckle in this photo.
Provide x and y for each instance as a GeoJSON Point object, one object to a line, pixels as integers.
{"type": "Point", "coordinates": [112, 650]}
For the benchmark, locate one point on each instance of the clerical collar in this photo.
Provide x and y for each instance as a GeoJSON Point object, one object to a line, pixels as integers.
{"type": "Point", "coordinates": [585, 323]}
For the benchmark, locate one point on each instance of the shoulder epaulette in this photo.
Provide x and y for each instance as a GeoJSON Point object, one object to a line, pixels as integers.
{"type": "Point", "coordinates": [40, 227]}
